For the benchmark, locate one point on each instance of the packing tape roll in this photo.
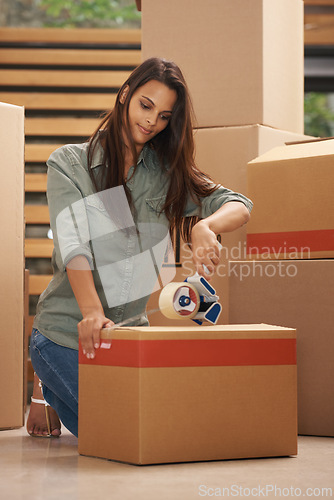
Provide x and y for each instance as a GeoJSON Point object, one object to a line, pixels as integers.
{"type": "Point", "coordinates": [179, 301]}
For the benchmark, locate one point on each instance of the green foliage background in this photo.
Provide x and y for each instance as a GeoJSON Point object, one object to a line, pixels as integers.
{"type": "Point", "coordinates": [319, 118]}
{"type": "Point", "coordinates": [90, 13]}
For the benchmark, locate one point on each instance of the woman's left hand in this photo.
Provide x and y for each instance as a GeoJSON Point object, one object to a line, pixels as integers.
{"type": "Point", "coordinates": [205, 249]}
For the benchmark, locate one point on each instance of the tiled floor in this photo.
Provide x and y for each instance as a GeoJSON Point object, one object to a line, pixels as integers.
{"type": "Point", "coordinates": [51, 469]}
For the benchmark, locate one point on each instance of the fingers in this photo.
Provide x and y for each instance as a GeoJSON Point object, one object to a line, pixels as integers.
{"type": "Point", "coordinates": [106, 342]}
{"type": "Point", "coordinates": [89, 333]}
{"type": "Point", "coordinates": [206, 258]}
{"type": "Point", "coordinates": [205, 271]}
{"type": "Point", "coordinates": [109, 324]}
{"type": "Point", "coordinates": [206, 249]}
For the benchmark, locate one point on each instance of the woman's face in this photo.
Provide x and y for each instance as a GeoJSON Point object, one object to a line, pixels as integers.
{"type": "Point", "coordinates": [150, 110]}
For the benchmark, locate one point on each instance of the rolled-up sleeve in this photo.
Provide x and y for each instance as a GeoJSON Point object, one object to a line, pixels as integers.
{"type": "Point", "coordinates": [214, 201]}
{"type": "Point", "coordinates": [68, 217]}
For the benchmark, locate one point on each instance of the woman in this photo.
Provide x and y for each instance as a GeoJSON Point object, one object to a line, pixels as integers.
{"type": "Point", "coordinates": [137, 170]}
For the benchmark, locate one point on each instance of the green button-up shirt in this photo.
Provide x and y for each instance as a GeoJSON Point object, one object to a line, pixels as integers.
{"type": "Point", "coordinates": [124, 250]}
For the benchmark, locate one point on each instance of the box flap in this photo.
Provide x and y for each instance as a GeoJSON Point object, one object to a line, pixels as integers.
{"type": "Point", "coordinates": [309, 149]}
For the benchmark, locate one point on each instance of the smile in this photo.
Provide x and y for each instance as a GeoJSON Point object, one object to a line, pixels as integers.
{"type": "Point", "coordinates": [144, 130]}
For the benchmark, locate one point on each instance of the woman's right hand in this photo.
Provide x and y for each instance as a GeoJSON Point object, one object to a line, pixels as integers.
{"type": "Point", "coordinates": [89, 330]}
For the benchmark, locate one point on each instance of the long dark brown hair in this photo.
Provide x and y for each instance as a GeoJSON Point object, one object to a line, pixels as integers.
{"type": "Point", "coordinates": [174, 145]}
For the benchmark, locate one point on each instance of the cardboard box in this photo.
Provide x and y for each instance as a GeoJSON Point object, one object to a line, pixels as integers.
{"type": "Point", "coordinates": [224, 153]}
{"type": "Point", "coordinates": [12, 265]}
{"type": "Point", "coordinates": [243, 60]}
{"type": "Point", "coordinates": [163, 395]}
{"type": "Point", "coordinates": [292, 190]}
{"type": "Point", "coordinates": [298, 294]}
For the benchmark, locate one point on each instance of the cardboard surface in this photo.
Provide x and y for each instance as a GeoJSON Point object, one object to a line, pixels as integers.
{"type": "Point", "coordinates": [292, 190]}
{"type": "Point", "coordinates": [298, 294]}
{"type": "Point", "coordinates": [167, 394]}
{"type": "Point", "coordinates": [223, 153]}
{"type": "Point", "coordinates": [11, 265]}
{"type": "Point", "coordinates": [243, 61]}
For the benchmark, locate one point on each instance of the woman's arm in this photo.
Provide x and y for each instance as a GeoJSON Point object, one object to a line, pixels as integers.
{"type": "Point", "coordinates": [82, 283]}
{"type": "Point", "coordinates": [205, 248]}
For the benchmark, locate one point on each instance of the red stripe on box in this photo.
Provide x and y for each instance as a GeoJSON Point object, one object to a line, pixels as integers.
{"type": "Point", "coordinates": [319, 240]}
{"type": "Point", "coordinates": [195, 352]}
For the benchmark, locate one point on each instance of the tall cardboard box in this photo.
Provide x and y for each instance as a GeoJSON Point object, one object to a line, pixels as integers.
{"type": "Point", "coordinates": [242, 59]}
{"type": "Point", "coordinates": [292, 190]}
{"type": "Point", "coordinates": [165, 394]}
{"type": "Point", "coordinates": [11, 265]}
{"type": "Point", "coordinates": [223, 153]}
{"type": "Point", "coordinates": [298, 294]}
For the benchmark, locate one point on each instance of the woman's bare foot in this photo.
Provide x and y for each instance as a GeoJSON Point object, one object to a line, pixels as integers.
{"type": "Point", "coordinates": [37, 424]}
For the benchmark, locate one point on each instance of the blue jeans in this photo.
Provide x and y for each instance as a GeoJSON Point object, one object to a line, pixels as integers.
{"type": "Point", "coordinates": [57, 368]}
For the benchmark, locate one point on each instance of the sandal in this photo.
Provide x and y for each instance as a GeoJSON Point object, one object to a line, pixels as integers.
{"type": "Point", "coordinates": [50, 415]}
{"type": "Point", "coordinates": [47, 416]}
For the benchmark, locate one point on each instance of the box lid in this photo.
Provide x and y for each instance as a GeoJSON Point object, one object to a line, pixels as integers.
{"type": "Point", "coordinates": [179, 332]}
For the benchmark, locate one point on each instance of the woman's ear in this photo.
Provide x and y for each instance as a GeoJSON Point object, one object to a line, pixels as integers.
{"type": "Point", "coordinates": [124, 94]}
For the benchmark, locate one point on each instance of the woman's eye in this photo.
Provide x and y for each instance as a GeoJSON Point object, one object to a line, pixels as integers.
{"type": "Point", "coordinates": [144, 105]}
{"type": "Point", "coordinates": [163, 117]}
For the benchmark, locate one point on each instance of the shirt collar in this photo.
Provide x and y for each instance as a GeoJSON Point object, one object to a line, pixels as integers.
{"type": "Point", "coordinates": [97, 159]}
{"type": "Point", "coordinates": [147, 157]}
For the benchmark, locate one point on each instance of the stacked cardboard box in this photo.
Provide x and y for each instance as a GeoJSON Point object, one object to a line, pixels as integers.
{"type": "Point", "coordinates": [298, 179]}
{"type": "Point", "coordinates": [243, 63]}
{"type": "Point", "coordinates": [12, 265]}
{"type": "Point", "coordinates": [293, 219]}
{"type": "Point", "coordinates": [299, 294]}
{"type": "Point", "coordinates": [243, 60]}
